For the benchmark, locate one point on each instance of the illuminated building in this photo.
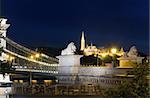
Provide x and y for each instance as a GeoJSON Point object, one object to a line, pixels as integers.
{"type": "Point", "coordinates": [93, 50]}
{"type": "Point", "coordinates": [71, 71]}
{"type": "Point", "coordinates": [89, 50]}
{"type": "Point", "coordinates": [82, 42]}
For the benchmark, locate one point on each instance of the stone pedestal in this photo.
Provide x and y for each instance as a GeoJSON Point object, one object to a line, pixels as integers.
{"type": "Point", "coordinates": [129, 62]}
{"type": "Point", "coordinates": [68, 68]}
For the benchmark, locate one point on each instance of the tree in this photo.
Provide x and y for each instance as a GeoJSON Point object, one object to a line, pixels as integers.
{"type": "Point", "coordinates": [137, 87]}
{"type": "Point", "coordinates": [140, 87]}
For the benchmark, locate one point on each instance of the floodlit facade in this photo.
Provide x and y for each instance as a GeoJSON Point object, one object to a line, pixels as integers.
{"type": "Point", "coordinates": [72, 72]}
{"type": "Point", "coordinates": [100, 52]}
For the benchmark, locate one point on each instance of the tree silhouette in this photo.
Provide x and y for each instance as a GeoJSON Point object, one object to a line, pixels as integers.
{"type": "Point", "coordinates": [137, 87]}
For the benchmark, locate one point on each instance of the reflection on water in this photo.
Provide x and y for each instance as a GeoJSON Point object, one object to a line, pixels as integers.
{"type": "Point", "coordinates": [5, 91]}
{"type": "Point", "coordinates": [57, 90]}
{"type": "Point", "coordinates": [4, 96]}
{"type": "Point", "coordinates": [43, 91]}
{"type": "Point", "coordinates": [21, 96]}
{"type": "Point", "coordinates": [58, 97]}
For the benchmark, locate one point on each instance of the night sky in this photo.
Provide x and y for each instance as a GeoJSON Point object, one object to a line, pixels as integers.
{"type": "Point", "coordinates": [55, 23]}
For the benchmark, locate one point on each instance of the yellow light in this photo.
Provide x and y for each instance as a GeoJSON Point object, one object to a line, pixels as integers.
{"type": "Point", "coordinates": [20, 81]}
{"type": "Point", "coordinates": [103, 55]}
{"type": "Point", "coordinates": [113, 50]}
{"type": "Point", "coordinates": [34, 81]}
{"type": "Point", "coordinates": [7, 56]}
{"type": "Point", "coordinates": [11, 58]}
{"type": "Point", "coordinates": [16, 81]}
{"type": "Point", "coordinates": [47, 81]}
{"type": "Point", "coordinates": [31, 57]}
{"type": "Point", "coordinates": [37, 55]}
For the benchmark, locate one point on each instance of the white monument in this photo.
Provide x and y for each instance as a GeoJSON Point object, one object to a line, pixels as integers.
{"type": "Point", "coordinates": [69, 64]}
{"type": "Point", "coordinates": [131, 58]}
{"type": "Point", "coordinates": [3, 30]}
{"type": "Point", "coordinates": [70, 50]}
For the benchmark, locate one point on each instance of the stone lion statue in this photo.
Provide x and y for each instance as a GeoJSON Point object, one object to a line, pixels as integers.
{"type": "Point", "coordinates": [132, 52]}
{"type": "Point", "coordinates": [71, 48]}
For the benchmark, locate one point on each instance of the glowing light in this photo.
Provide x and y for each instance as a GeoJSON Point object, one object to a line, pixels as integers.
{"type": "Point", "coordinates": [7, 56]}
{"type": "Point", "coordinates": [31, 57]}
{"type": "Point", "coordinates": [34, 81]}
{"type": "Point", "coordinates": [11, 58]}
{"type": "Point", "coordinates": [37, 55]}
{"type": "Point", "coordinates": [104, 55]}
{"type": "Point", "coordinates": [16, 81]}
{"type": "Point", "coordinates": [20, 81]}
{"type": "Point", "coordinates": [113, 50]}
{"type": "Point", "coordinates": [47, 81]}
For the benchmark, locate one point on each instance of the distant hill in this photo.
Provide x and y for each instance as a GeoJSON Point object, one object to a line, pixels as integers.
{"type": "Point", "coordinates": [49, 51]}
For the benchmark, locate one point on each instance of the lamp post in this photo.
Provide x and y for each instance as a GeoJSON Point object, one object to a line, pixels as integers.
{"type": "Point", "coordinates": [97, 59]}
{"type": "Point", "coordinates": [113, 51]}
{"type": "Point", "coordinates": [103, 55]}
{"type": "Point", "coordinates": [33, 57]}
{"type": "Point", "coordinates": [30, 73]}
{"type": "Point", "coordinates": [37, 55]}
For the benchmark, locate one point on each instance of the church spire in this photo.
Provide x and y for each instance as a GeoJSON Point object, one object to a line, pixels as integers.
{"type": "Point", "coordinates": [82, 41]}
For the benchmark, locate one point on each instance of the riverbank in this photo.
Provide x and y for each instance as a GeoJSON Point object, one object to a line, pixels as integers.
{"type": "Point", "coordinates": [25, 96]}
{"type": "Point", "coordinates": [57, 90]}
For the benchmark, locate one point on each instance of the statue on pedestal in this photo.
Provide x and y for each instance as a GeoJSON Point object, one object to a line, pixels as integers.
{"type": "Point", "coordinates": [70, 50]}
{"type": "Point", "coordinates": [3, 25]}
{"type": "Point", "coordinates": [69, 64]}
{"type": "Point", "coordinates": [132, 52]}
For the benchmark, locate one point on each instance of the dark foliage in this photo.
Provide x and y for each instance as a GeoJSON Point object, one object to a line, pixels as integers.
{"type": "Point", "coordinates": [136, 88]}
{"type": "Point", "coordinates": [90, 60]}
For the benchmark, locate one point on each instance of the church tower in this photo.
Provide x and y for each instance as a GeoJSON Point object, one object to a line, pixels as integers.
{"type": "Point", "coordinates": [82, 42]}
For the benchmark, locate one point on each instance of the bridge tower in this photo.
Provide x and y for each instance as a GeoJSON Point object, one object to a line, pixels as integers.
{"type": "Point", "coordinates": [3, 30]}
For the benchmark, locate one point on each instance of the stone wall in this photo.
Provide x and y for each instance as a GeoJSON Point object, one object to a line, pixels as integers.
{"type": "Point", "coordinates": [103, 81]}
{"type": "Point", "coordinates": [98, 71]}
{"type": "Point", "coordinates": [105, 77]}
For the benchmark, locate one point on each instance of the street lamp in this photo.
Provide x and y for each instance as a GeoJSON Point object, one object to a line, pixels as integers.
{"type": "Point", "coordinates": [7, 56]}
{"type": "Point", "coordinates": [11, 58]}
{"type": "Point", "coordinates": [104, 55]}
{"type": "Point", "coordinates": [31, 57]}
{"type": "Point", "coordinates": [113, 51]}
{"type": "Point", "coordinates": [30, 73]}
{"type": "Point", "coordinates": [37, 55]}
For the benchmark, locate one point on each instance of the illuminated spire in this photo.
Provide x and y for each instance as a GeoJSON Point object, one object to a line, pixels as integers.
{"type": "Point", "coordinates": [91, 44]}
{"type": "Point", "coordinates": [82, 42]}
{"type": "Point", "coordinates": [121, 50]}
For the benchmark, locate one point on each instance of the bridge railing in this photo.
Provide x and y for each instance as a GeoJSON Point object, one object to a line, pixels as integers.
{"type": "Point", "coordinates": [45, 69]}
{"type": "Point", "coordinates": [23, 51]}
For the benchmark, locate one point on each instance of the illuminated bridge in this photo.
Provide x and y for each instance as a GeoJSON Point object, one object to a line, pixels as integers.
{"type": "Point", "coordinates": [22, 58]}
